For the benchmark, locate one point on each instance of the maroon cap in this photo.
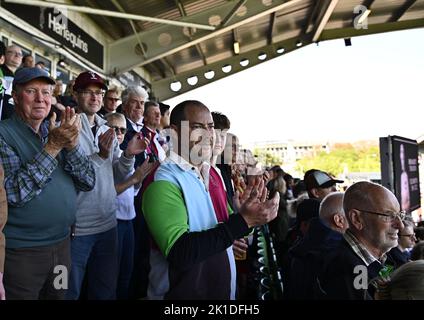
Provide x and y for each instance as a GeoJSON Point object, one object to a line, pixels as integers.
{"type": "Point", "coordinates": [86, 78]}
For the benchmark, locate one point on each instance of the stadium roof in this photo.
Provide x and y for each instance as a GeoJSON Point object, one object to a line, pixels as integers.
{"type": "Point", "coordinates": [193, 42]}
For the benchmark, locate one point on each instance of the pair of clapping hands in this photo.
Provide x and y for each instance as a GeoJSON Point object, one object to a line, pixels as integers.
{"type": "Point", "coordinates": [255, 208]}
{"type": "Point", "coordinates": [65, 135]}
{"type": "Point", "coordinates": [136, 145]}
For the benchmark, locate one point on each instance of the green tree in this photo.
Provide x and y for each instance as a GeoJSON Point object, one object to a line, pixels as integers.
{"type": "Point", "coordinates": [359, 157]}
{"type": "Point", "coordinates": [266, 159]}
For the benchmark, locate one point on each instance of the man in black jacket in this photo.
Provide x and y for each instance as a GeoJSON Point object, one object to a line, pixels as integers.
{"type": "Point", "coordinates": [324, 234]}
{"type": "Point", "coordinates": [374, 222]}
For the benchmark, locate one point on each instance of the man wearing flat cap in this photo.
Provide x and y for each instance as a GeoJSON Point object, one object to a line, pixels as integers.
{"type": "Point", "coordinates": [44, 168]}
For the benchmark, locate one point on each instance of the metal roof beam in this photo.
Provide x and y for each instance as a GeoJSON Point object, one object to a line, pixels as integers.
{"type": "Point", "coordinates": [270, 28]}
{"type": "Point", "coordinates": [180, 8]}
{"type": "Point", "coordinates": [169, 66]}
{"type": "Point", "coordinates": [324, 19]}
{"type": "Point", "coordinates": [311, 17]}
{"type": "Point", "coordinates": [399, 13]}
{"type": "Point", "coordinates": [112, 28]}
{"type": "Point", "coordinates": [124, 57]}
{"type": "Point", "coordinates": [231, 14]}
{"type": "Point", "coordinates": [162, 90]}
{"type": "Point", "coordinates": [183, 13]}
{"type": "Point", "coordinates": [160, 71]}
{"type": "Point", "coordinates": [368, 3]}
{"type": "Point", "coordinates": [121, 9]}
{"type": "Point", "coordinates": [108, 13]}
{"type": "Point", "coordinates": [372, 29]}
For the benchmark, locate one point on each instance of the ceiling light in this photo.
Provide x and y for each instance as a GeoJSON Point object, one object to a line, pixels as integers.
{"type": "Point", "coordinates": [262, 56]}
{"type": "Point", "coordinates": [192, 80]}
{"type": "Point", "coordinates": [62, 63]}
{"type": "Point", "coordinates": [236, 47]}
{"type": "Point", "coordinates": [244, 62]}
{"type": "Point", "coordinates": [175, 86]}
{"type": "Point", "coordinates": [209, 74]}
{"type": "Point", "coordinates": [227, 68]}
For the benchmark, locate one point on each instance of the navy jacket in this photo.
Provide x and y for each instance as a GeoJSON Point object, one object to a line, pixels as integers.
{"type": "Point", "coordinates": [396, 258]}
{"type": "Point", "coordinates": [337, 277]}
{"type": "Point", "coordinates": [306, 258]}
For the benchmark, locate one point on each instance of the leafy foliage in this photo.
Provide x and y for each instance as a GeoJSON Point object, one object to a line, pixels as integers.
{"type": "Point", "coordinates": [344, 157]}
{"type": "Point", "coordinates": [267, 159]}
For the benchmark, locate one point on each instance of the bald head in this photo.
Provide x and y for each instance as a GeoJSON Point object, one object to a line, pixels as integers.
{"type": "Point", "coordinates": [331, 212]}
{"type": "Point", "coordinates": [368, 196]}
{"type": "Point", "coordinates": [370, 209]}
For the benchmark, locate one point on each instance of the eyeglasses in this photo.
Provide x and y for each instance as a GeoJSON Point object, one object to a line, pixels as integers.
{"type": "Point", "coordinates": [32, 92]}
{"type": "Point", "coordinates": [412, 235]}
{"type": "Point", "coordinates": [113, 99]}
{"type": "Point", "coordinates": [15, 53]}
{"type": "Point", "coordinates": [387, 217]}
{"type": "Point", "coordinates": [119, 130]}
{"type": "Point", "coordinates": [90, 93]}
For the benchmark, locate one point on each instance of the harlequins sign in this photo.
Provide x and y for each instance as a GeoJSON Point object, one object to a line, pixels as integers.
{"type": "Point", "coordinates": [55, 23]}
{"type": "Point", "coordinates": [58, 22]}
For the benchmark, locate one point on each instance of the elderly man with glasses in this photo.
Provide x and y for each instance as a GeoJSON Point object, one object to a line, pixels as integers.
{"type": "Point", "coordinates": [374, 223]}
{"type": "Point", "coordinates": [45, 169]}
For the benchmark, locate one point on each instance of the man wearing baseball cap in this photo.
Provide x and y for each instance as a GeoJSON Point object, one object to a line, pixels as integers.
{"type": "Point", "coordinates": [94, 246]}
{"type": "Point", "coordinates": [44, 169]}
{"type": "Point", "coordinates": [319, 184]}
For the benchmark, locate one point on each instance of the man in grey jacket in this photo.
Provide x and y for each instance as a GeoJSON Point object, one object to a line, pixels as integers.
{"type": "Point", "coordinates": [94, 246]}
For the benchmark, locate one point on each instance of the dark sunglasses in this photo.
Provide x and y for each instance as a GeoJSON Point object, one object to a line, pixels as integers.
{"type": "Point", "coordinates": [119, 129]}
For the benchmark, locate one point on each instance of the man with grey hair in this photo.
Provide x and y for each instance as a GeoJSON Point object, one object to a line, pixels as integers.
{"type": "Point", "coordinates": [331, 212]}
{"type": "Point", "coordinates": [133, 99]}
{"type": "Point", "coordinates": [306, 257]}
{"type": "Point", "coordinates": [374, 218]}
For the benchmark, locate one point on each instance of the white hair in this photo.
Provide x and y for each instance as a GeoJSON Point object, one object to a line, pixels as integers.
{"type": "Point", "coordinates": [133, 90]}
{"type": "Point", "coordinates": [331, 205]}
{"type": "Point", "coordinates": [114, 116]}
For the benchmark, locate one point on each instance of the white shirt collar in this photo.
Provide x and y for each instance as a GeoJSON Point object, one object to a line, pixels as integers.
{"type": "Point", "coordinates": [203, 174]}
{"type": "Point", "coordinates": [136, 126]}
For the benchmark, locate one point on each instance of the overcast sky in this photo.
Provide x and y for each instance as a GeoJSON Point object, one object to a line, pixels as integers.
{"type": "Point", "coordinates": [328, 92]}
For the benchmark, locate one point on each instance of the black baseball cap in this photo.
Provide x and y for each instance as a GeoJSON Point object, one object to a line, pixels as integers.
{"type": "Point", "coordinates": [319, 179]}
